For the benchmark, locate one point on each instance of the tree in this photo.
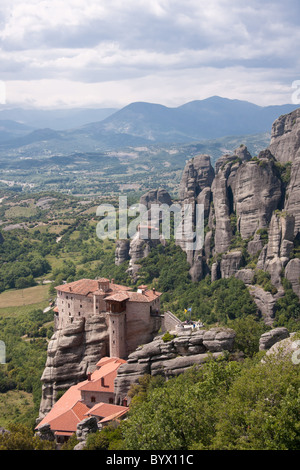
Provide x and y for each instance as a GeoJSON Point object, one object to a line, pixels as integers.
{"type": "Point", "coordinates": [21, 437]}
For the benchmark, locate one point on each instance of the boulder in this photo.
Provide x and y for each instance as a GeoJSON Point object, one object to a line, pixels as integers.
{"type": "Point", "coordinates": [288, 347]}
{"type": "Point", "coordinates": [84, 428]}
{"type": "Point", "coordinates": [245, 275]}
{"type": "Point", "coordinates": [268, 339]}
{"type": "Point", "coordinates": [45, 433]}
{"type": "Point", "coordinates": [219, 339]}
{"type": "Point", "coordinates": [265, 302]}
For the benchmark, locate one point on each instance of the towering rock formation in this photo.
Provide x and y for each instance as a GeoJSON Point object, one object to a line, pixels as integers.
{"type": "Point", "coordinates": [143, 240]}
{"type": "Point", "coordinates": [251, 213]}
{"type": "Point", "coordinates": [256, 194]}
{"type": "Point", "coordinates": [72, 352]}
{"type": "Point", "coordinates": [195, 189]}
{"type": "Point", "coordinates": [276, 254]}
{"type": "Point", "coordinates": [285, 137]}
{"type": "Point", "coordinates": [285, 146]}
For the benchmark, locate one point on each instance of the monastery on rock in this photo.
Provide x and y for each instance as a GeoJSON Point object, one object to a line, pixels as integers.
{"type": "Point", "coordinates": [131, 317]}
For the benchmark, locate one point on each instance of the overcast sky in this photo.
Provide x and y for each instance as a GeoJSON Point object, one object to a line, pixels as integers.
{"type": "Point", "coordinates": [109, 53]}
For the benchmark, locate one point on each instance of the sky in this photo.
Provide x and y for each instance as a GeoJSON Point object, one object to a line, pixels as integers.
{"type": "Point", "coordinates": [109, 53]}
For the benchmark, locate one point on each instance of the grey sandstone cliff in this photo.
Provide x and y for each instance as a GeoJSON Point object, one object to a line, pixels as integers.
{"type": "Point", "coordinates": [292, 274]}
{"type": "Point", "coordinates": [276, 254]}
{"type": "Point", "coordinates": [142, 241]}
{"type": "Point", "coordinates": [257, 193]}
{"type": "Point", "coordinates": [171, 358]}
{"type": "Point", "coordinates": [72, 352]}
{"type": "Point", "coordinates": [285, 137]}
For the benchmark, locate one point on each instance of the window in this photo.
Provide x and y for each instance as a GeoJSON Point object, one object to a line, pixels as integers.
{"type": "Point", "coordinates": [93, 399]}
{"type": "Point", "coordinates": [111, 401]}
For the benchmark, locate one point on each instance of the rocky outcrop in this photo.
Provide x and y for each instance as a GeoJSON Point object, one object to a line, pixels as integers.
{"type": "Point", "coordinates": [231, 263]}
{"type": "Point", "coordinates": [172, 357]}
{"type": "Point", "coordinates": [285, 137]}
{"type": "Point", "coordinates": [265, 302]}
{"type": "Point", "coordinates": [72, 352]}
{"type": "Point", "coordinates": [84, 428]}
{"type": "Point", "coordinates": [268, 339]}
{"type": "Point", "coordinates": [285, 348]}
{"type": "Point", "coordinates": [155, 196]}
{"type": "Point", "coordinates": [292, 274]}
{"type": "Point", "coordinates": [194, 191]}
{"type": "Point", "coordinates": [292, 198]}
{"type": "Point", "coordinates": [257, 193]}
{"type": "Point", "coordinates": [285, 146]}
{"type": "Point", "coordinates": [222, 203]}
{"type": "Point", "coordinates": [197, 175]}
{"type": "Point", "coordinates": [45, 433]}
{"type": "Point", "coordinates": [142, 241]}
{"type": "Point", "coordinates": [139, 249]}
{"type": "Point", "coordinates": [276, 254]}
{"type": "Point", "coordinates": [122, 251]}
{"type": "Point", "coordinates": [246, 275]}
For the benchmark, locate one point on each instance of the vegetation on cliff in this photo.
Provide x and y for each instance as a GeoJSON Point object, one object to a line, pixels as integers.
{"type": "Point", "coordinates": [220, 406]}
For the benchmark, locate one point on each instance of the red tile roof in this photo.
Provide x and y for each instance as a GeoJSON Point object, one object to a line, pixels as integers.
{"type": "Point", "coordinates": [118, 297]}
{"type": "Point", "coordinates": [146, 296]}
{"type": "Point", "coordinates": [116, 292]}
{"type": "Point", "coordinates": [87, 286]}
{"type": "Point", "coordinates": [102, 379]}
{"type": "Point", "coordinates": [69, 410]}
{"type": "Point", "coordinates": [113, 416]}
{"type": "Point", "coordinates": [105, 410]}
{"type": "Point", "coordinates": [68, 420]}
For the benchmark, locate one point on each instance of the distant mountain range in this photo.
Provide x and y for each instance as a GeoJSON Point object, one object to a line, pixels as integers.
{"type": "Point", "coordinates": [211, 118]}
{"type": "Point", "coordinates": [68, 131]}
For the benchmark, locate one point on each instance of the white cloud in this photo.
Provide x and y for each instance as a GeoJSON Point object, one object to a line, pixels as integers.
{"type": "Point", "coordinates": [134, 49]}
